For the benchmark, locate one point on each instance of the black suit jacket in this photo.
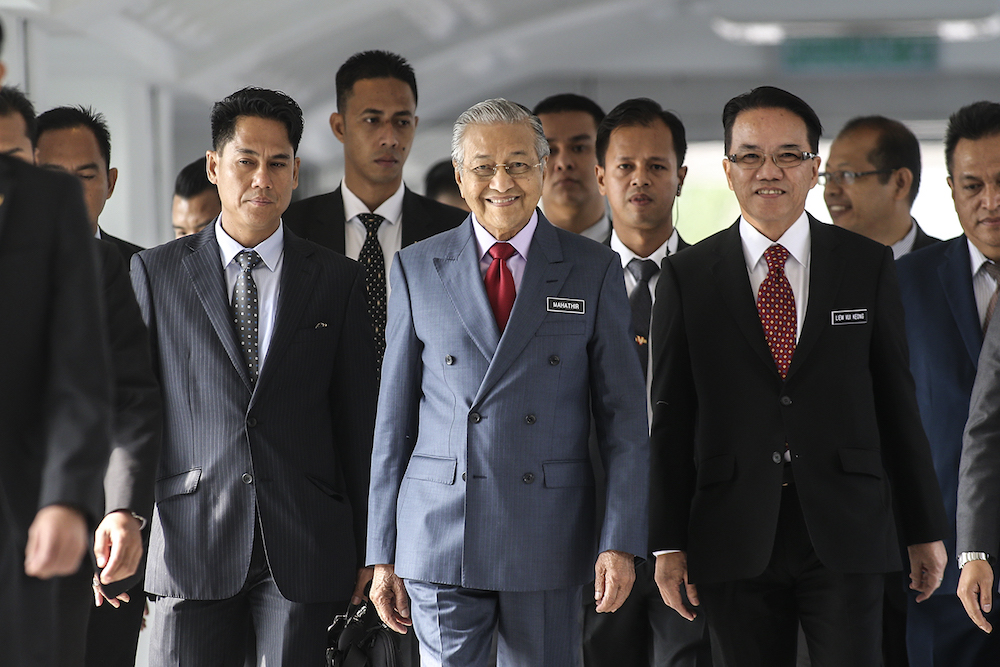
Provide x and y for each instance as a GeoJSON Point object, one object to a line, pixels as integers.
{"type": "Point", "coordinates": [125, 249]}
{"type": "Point", "coordinates": [922, 239]}
{"type": "Point", "coordinates": [722, 414]}
{"type": "Point", "coordinates": [321, 218]}
{"type": "Point", "coordinates": [293, 449]}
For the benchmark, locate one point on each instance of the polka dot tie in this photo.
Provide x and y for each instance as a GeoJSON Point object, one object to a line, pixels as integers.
{"type": "Point", "coordinates": [246, 312]}
{"type": "Point", "coordinates": [776, 306]}
{"type": "Point", "coordinates": [500, 283]}
{"type": "Point", "coordinates": [642, 304]}
{"type": "Point", "coordinates": [373, 260]}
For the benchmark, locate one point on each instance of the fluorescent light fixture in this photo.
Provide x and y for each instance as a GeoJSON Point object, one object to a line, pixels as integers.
{"type": "Point", "coordinates": [970, 31]}
{"type": "Point", "coordinates": [776, 32]}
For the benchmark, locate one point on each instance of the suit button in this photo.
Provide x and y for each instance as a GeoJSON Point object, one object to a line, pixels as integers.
{"type": "Point", "coordinates": [554, 360]}
{"type": "Point", "coordinates": [528, 477]}
{"type": "Point", "coordinates": [786, 401]}
{"type": "Point", "coordinates": [529, 420]}
{"type": "Point", "coordinates": [475, 418]}
{"type": "Point", "coordinates": [463, 476]}
{"type": "Point", "coordinates": [247, 478]}
{"type": "Point", "coordinates": [776, 457]}
{"type": "Point", "coordinates": [251, 421]}
{"type": "Point", "coordinates": [448, 359]}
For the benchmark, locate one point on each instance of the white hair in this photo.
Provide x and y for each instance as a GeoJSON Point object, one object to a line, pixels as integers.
{"type": "Point", "coordinates": [496, 112]}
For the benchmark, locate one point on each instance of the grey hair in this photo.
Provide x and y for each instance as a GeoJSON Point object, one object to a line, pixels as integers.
{"type": "Point", "coordinates": [495, 112]}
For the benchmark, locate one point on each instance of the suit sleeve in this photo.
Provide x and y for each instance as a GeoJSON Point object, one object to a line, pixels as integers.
{"type": "Point", "coordinates": [396, 423]}
{"type": "Point", "coordinates": [618, 402]}
{"type": "Point", "coordinates": [675, 410]}
{"type": "Point", "coordinates": [978, 520]}
{"type": "Point", "coordinates": [905, 451]}
{"type": "Point", "coordinates": [78, 384]}
{"type": "Point", "coordinates": [352, 399]}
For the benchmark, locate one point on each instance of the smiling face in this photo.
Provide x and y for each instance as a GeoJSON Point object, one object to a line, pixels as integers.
{"type": "Point", "coordinates": [256, 172]}
{"type": "Point", "coordinates": [975, 189]}
{"type": "Point", "coordinates": [771, 198]}
{"type": "Point", "coordinates": [503, 204]}
{"type": "Point", "coordinates": [75, 151]}
{"type": "Point", "coordinates": [865, 204]}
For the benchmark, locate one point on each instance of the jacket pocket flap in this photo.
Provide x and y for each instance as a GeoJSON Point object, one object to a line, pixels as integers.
{"type": "Point", "coordinates": [567, 473]}
{"type": "Point", "coordinates": [175, 485]}
{"type": "Point", "coordinates": [561, 327]}
{"type": "Point", "coordinates": [862, 461]}
{"type": "Point", "coordinates": [326, 488]}
{"type": "Point", "coordinates": [438, 469]}
{"type": "Point", "coordinates": [716, 469]}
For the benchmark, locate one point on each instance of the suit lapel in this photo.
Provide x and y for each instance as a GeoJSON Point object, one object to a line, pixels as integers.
{"type": "Point", "coordinates": [956, 281]}
{"type": "Point", "coordinates": [544, 275]}
{"type": "Point", "coordinates": [825, 273]}
{"type": "Point", "coordinates": [459, 272]}
{"type": "Point", "coordinates": [204, 266]}
{"type": "Point", "coordinates": [414, 220]}
{"type": "Point", "coordinates": [297, 275]}
{"type": "Point", "coordinates": [730, 272]}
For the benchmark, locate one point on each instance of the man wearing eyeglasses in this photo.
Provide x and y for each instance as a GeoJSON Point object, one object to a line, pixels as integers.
{"type": "Point", "coordinates": [506, 336]}
{"type": "Point", "coordinates": [785, 426]}
{"type": "Point", "coordinates": [871, 181]}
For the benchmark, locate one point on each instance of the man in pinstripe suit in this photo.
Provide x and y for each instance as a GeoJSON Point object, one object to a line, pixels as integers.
{"type": "Point", "coordinates": [264, 351]}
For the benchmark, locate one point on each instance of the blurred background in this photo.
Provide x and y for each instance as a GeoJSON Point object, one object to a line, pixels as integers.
{"type": "Point", "coordinates": [154, 67]}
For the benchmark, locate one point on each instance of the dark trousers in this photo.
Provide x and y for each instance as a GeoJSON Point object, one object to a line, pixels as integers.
{"type": "Point", "coordinates": [754, 622]}
{"type": "Point", "coordinates": [940, 634]}
{"type": "Point", "coordinates": [644, 632]}
{"type": "Point", "coordinates": [213, 633]}
{"type": "Point", "coordinates": [113, 634]}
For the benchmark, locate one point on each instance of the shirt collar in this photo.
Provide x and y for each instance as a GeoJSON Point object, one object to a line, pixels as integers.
{"type": "Point", "coordinates": [976, 258]}
{"type": "Point", "coordinates": [905, 244]}
{"type": "Point", "coordinates": [796, 240]}
{"type": "Point", "coordinates": [391, 209]}
{"type": "Point", "coordinates": [668, 248]}
{"type": "Point", "coordinates": [269, 249]}
{"type": "Point", "coordinates": [521, 240]}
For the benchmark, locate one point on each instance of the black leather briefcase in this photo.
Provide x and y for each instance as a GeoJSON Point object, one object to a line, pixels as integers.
{"type": "Point", "coordinates": [359, 638]}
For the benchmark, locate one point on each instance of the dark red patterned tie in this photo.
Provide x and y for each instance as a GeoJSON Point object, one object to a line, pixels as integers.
{"type": "Point", "coordinates": [500, 283]}
{"type": "Point", "coordinates": [776, 306]}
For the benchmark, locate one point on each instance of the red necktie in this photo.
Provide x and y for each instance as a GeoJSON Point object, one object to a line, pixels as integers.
{"type": "Point", "coordinates": [500, 283]}
{"type": "Point", "coordinates": [776, 306]}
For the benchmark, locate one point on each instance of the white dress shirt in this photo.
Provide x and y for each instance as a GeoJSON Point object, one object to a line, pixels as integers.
{"type": "Point", "coordinates": [983, 284]}
{"type": "Point", "coordinates": [599, 230]}
{"type": "Point", "coordinates": [905, 244]}
{"type": "Point", "coordinates": [390, 232]}
{"type": "Point", "coordinates": [267, 276]}
{"type": "Point", "coordinates": [521, 243]}
{"type": "Point", "coordinates": [798, 242]}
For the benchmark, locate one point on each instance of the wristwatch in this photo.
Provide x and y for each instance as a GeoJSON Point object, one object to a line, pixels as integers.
{"type": "Point", "coordinates": [967, 556]}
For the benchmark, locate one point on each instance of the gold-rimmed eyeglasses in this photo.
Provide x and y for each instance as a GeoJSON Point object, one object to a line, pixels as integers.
{"type": "Point", "coordinates": [784, 159]}
{"type": "Point", "coordinates": [485, 172]}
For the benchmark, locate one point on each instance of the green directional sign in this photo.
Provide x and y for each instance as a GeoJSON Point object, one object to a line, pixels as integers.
{"type": "Point", "coordinates": [859, 54]}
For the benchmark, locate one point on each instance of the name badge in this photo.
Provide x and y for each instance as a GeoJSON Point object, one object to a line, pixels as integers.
{"type": "Point", "coordinates": [856, 316]}
{"type": "Point", "coordinates": [555, 304]}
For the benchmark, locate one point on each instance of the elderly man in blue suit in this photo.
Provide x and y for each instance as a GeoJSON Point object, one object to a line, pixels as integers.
{"type": "Point", "coordinates": [505, 336]}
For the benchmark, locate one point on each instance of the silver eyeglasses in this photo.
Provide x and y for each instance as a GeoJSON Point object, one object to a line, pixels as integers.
{"type": "Point", "coordinates": [848, 177]}
{"type": "Point", "coordinates": [485, 172]}
{"type": "Point", "coordinates": [784, 159]}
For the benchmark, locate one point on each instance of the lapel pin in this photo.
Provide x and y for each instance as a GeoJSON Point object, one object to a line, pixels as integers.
{"type": "Point", "coordinates": [321, 325]}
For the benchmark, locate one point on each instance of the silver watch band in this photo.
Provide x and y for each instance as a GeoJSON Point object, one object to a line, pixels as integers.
{"type": "Point", "coordinates": [967, 556]}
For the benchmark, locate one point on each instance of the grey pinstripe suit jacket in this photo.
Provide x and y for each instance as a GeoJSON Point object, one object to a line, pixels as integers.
{"type": "Point", "coordinates": [481, 475]}
{"type": "Point", "coordinates": [296, 447]}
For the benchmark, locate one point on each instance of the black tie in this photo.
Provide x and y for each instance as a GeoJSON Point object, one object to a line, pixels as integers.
{"type": "Point", "coordinates": [246, 312]}
{"type": "Point", "coordinates": [373, 260]}
{"type": "Point", "coordinates": [642, 305]}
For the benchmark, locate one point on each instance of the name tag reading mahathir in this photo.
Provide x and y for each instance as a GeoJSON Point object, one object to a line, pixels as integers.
{"type": "Point", "coordinates": [856, 316]}
{"type": "Point", "coordinates": [556, 304]}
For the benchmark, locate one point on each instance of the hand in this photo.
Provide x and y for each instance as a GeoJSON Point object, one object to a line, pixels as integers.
{"type": "Point", "coordinates": [672, 573]}
{"type": "Point", "coordinates": [614, 576]}
{"type": "Point", "coordinates": [100, 596]}
{"type": "Point", "coordinates": [390, 599]}
{"type": "Point", "coordinates": [364, 576]}
{"type": "Point", "coordinates": [57, 540]}
{"type": "Point", "coordinates": [975, 590]}
{"type": "Point", "coordinates": [118, 547]}
{"type": "Point", "coordinates": [927, 563]}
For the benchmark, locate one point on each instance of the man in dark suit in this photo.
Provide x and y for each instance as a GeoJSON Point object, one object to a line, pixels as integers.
{"type": "Point", "coordinates": [784, 431]}
{"type": "Point", "coordinates": [54, 409]}
{"type": "Point", "coordinates": [265, 358]}
{"type": "Point", "coordinates": [947, 290]}
{"type": "Point", "coordinates": [76, 140]}
{"type": "Point", "coordinates": [570, 196]}
{"type": "Point", "coordinates": [196, 200]}
{"type": "Point", "coordinates": [640, 156]}
{"type": "Point", "coordinates": [871, 182]}
{"type": "Point", "coordinates": [373, 214]}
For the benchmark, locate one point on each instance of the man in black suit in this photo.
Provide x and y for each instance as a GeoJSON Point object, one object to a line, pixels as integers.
{"type": "Point", "coordinates": [54, 409]}
{"type": "Point", "coordinates": [76, 140]}
{"type": "Point", "coordinates": [785, 427]}
{"type": "Point", "coordinates": [871, 182]}
{"type": "Point", "coordinates": [373, 214]}
{"type": "Point", "coordinates": [265, 358]}
{"type": "Point", "coordinates": [570, 196]}
{"type": "Point", "coordinates": [640, 152]}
